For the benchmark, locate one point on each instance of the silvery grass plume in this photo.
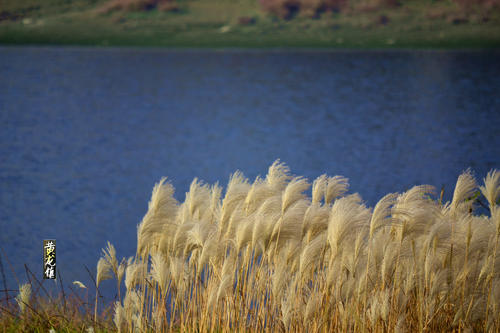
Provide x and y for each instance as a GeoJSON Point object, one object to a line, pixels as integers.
{"type": "Point", "coordinates": [347, 217]}
{"type": "Point", "coordinates": [119, 317]}
{"type": "Point", "coordinates": [79, 284]}
{"type": "Point", "coordinates": [491, 188]}
{"type": "Point", "coordinates": [109, 255]}
{"type": "Point", "coordinates": [23, 298]}
{"type": "Point", "coordinates": [129, 313]}
{"type": "Point", "coordinates": [236, 192]}
{"type": "Point", "coordinates": [464, 190]}
{"type": "Point", "coordinates": [336, 186]}
{"type": "Point", "coordinates": [278, 175]}
{"type": "Point", "coordinates": [271, 256]}
{"type": "Point", "coordinates": [135, 273]}
{"type": "Point", "coordinates": [259, 191]}
{"type": "Point", "coordinates": [162, 209]}
{"type": "Point", "coordinates": [319, 189]}
{"type": "Point", "coordinates": [160, 272]}
{"type": "Point", "coordinates": [103, 273]}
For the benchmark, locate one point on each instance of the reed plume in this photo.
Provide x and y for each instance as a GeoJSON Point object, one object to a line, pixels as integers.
{"type": "Point", "coordinates": [162, 209]}
{"type": "Point", "coordinates": [23, 298]}
{"type": "Point", "coordinates": [103, 273]}
{"type": "Point", "coordinates": [79, 284]}
{"type": "Point", "coordinates": [491, 188]}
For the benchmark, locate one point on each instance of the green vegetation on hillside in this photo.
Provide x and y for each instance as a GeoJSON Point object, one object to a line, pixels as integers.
{"type": "Point", "coordinates": [252, 23]}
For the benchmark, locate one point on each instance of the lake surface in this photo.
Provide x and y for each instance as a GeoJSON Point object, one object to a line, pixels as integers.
{"type": "Point", "coordinates": [86, 132]}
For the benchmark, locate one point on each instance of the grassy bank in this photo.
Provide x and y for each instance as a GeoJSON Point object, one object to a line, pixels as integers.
{"type": "Point", "coordinates": [266, 256]}
{"type": "Point", "coordinates": [243, 23]}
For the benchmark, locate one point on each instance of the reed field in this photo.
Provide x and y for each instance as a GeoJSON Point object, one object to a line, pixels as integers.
{"type": "Point", "coordinates": [267, 256]}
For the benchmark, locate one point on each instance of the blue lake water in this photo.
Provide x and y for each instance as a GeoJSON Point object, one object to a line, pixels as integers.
{"type": "Point", "coordinates": [86, 132]}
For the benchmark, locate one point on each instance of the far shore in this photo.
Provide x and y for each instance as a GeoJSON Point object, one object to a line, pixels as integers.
{"type": "Point", "coordinates": [227, 24]}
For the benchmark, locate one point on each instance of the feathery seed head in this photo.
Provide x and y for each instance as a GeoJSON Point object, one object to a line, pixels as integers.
{"type": "Point", "coordinates": [491, 188]}
{"type": "Point", "coordinates": [162, 210]}
{"type": "Point", "coordinates": [236, 192]}
{"type": "Point", "coordinates": [312, 306]}
{"type": "Point", "coordinates": [103, 271]}
{"type": "Point", "coordinates": [121, 270]}
{"type": "Point", "coordinates": [134, 274]}
{"type": "Point", "coordinates": [119, 316]}
{"type": "Point", "coordinates": [464, 189]}
{"type": "Point", "coordinates": [312, 253]}
{"type": "Point", "coordinates": [278, 175]}
{"type": "Point", "coordinates": [23, 297]}
{"type": "Point", "coordinates": [347, 217]}
{"type": "Point", "coordinates": [79, 284]}
{"type": "Point", "coordinates": [336, 187]}
{"type": "Point", "coordinates": [319, 189]}
{"type": "Point", "coordinates": [294, 192]}
{"type": "Point", "coordinates": [160, 272]}
{"type": "Point", "coordinates": [209, 250]}
{"type": "Point", "coordinates": [382, 212]}
{"type": "Point", "coordinates": [110, 256]}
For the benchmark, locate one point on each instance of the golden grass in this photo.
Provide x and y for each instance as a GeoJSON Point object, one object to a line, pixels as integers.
{"type": "Point", "coordinates": [266, 257]}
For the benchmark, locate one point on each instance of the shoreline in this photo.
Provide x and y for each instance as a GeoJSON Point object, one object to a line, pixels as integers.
{"type": "Point", "coordinates": [289, 36]}
{"type": "Point", "coordinates": [188, 49]}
